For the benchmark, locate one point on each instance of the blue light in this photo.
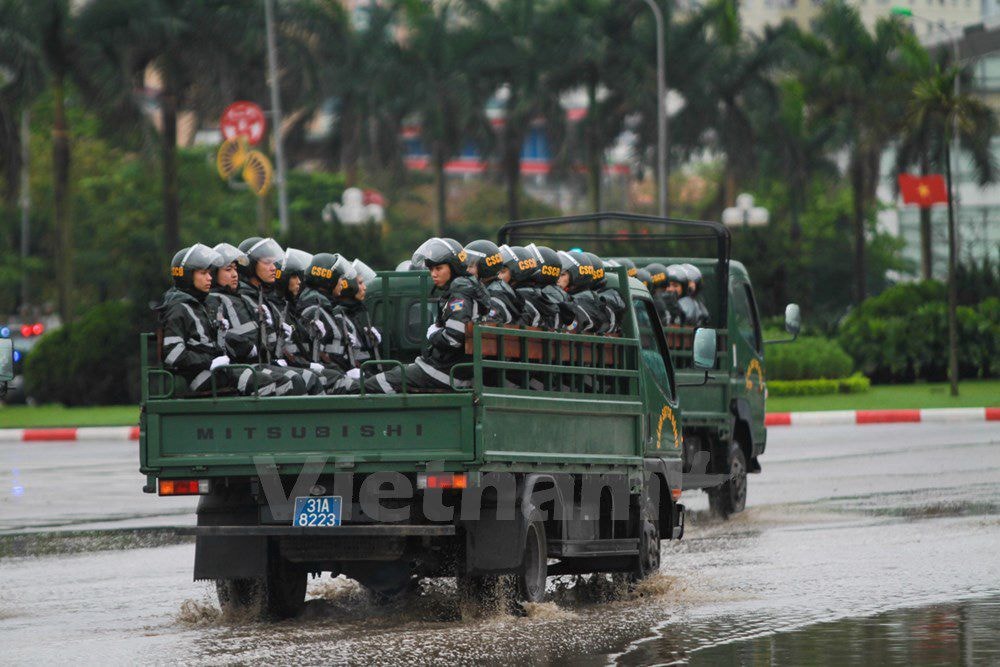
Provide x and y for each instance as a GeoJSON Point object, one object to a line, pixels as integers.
{"type": "Point", "coordinates": [17, 355]}
{"type": "Point", "coordinates": [4, 332]}
{"type": "Point", "coordinates": [576, 249]}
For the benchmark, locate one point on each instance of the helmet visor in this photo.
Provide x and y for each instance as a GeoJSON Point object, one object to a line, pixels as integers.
{"type": "Point", "coordinates": [431, 252]}
{"type": "Point", "coordinates": [265, 250]}
{"type": "Point", "coordinates": [200, 256]}
{"type": "Point", "coordinates": [230, 254]}
{"type": "Point", "coordinates": [296, 261]}
{"type": "Point", "coordinates": [365, 272]}
{"type": "Point", "coordinates": [343, 268]}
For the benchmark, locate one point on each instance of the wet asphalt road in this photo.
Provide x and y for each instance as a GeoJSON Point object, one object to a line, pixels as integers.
{"type": "Point", "coordinates": [844, 522]}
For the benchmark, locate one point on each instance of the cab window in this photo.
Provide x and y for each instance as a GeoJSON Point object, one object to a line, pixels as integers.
{"type": "Point", "coordinates": [654, 347]}
{"type": "Point", "coordinates": [745, 312]}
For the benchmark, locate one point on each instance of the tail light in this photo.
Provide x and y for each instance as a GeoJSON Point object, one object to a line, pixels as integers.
{"type": "Point", "coordinates": [183, 487]}
{"type": "Point", "coordinates": [442, 480]}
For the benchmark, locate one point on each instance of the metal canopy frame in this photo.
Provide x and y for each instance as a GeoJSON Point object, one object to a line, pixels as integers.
{"type": "Point", "coordinates": [628, 224]}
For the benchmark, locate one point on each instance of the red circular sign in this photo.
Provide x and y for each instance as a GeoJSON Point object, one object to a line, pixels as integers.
{"type": "Point", "coordinates": [243, 119]}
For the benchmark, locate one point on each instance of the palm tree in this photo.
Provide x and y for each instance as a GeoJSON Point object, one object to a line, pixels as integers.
{"type": "Point", "coordinates": [187, 44]}
{"type": "Point", "coordinates": [936, 106]}
{"type": "Point", "coordinates": [516, 55]}
{"type": "Point", "coordinates": [924, 140]}
{"type": "Point", "coordinates": [858, 79]}
{"type": "Point", "coordinates": [41, 47]}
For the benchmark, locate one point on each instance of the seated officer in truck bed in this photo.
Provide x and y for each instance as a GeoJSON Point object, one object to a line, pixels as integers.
{"type": "Point", "coordinates": [193, 340]}
{"type": "Point", "coordinates": [462, 300]}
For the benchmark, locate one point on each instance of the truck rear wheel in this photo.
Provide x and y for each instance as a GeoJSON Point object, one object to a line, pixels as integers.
{"type": "Point", "coordinates": [731, 497]}
{"type": "Point", "coordinates": [535, 567]}
{"type": "Point", "coordinates": [280, 595]}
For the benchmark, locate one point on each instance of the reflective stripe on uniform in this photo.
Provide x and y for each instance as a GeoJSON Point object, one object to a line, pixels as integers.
{"type": "Point", "coordinates": [455, 325]}
{"type": "Point", "coordinates": [197, 324]}
{"type": "Point", "coordinates": [200, 379]}
{"type": "Point", "coordinates": [172, 340]}
{"type": "Point", "coordinates": [382, 382]}
{"type": "Point", "coordinates": [440, 376]}
{"type": "Point", "coordinates": [174, 354]}
{"type": "Point", "coordinates": [245, 376]}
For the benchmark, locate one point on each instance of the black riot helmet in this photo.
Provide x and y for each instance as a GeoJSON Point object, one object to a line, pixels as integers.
{"type": "Point", "coordinates": [485, 256]}
{"type": "Point", "coordinates": [642, 275]}
{"type": "Point", "coordinates": [258, 250]}
{"type": "Point", "coordinates": [579, 268]}
{"type": "Point", "coordinates": [693, 275]}
{"type": "Point", "coordinates": [524, 268]}
{"type": "Point", "coordinates": [595, 261]}
{"type": "Point", "coordinates": [657, 276]}
{"type": "Point", "coordinates": [436, 251]}
{"type": "Point", "coordinates": [549, 265]}
{"type": "Point", "coordinates": [189, 260]}
{"type": "Point", "coordinates": [326, 270]}
{"type": "Point", "coordinates": [362, 273]}
{"type": "Point", "coordinates": [629, 265]}
{"type": "Point", "coordinates": [677, 274]}
{"type": "Point", "coordinates": [295, 262]}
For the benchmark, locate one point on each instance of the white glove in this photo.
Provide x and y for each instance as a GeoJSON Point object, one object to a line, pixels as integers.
{"type": "Point", "coordinates": [433, 329]}
{"type": "Point", "coordinates": [354, 373]}
{"type": "Point", "coordinates": [353, 339]}
{"type": "Point", "coordinates": [287, 328]}
{"type": "Point", "coordinates": [224, 324]}
{"type": "Point", "coordinates": [376, 334]}
{"type": "Point", "coordinates": [316, 368]}
{"type": "Point", "coordinates": [267, 316]}
{"type": "Point", "coordinates": [254, 352]}
{"type": "Point", "coordinates": [281, 362]}
{"type": "Point", "coordinates": [219, 361]}
{"type": "Point", "coordinates": [321, 328]}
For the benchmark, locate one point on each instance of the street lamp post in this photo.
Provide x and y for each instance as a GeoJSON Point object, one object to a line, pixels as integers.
{"type": "Point", "coordinates": [952, 170]}
{"type": "Point", "coordinates": [745, 214]}
{"type": "Point", "coordinates": [661, 112]}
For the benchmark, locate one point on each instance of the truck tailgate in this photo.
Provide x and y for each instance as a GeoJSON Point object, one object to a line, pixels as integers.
{"type": "Point", "coordinates": [223, 436]}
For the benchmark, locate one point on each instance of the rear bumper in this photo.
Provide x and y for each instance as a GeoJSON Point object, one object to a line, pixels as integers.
{"type": "Point", "coordinates": [381, 530]}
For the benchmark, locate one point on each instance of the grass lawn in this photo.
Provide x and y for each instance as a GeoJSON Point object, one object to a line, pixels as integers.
{"type": "Point", "coordinates": [972, 394]}
{"type": "Point", "coordinates": [21, 416]}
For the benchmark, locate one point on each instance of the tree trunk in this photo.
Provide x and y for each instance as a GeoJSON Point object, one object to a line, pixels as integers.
{"type": "Point", "coordinates": [512, 172]}
{"type": "Point", "coordinates": [858, 214]}
{"type": "Point", "coordinates": [952, 283]}
{"type": "Point", "coordinates": [926, 256]}
{"type": "Point", "coordinates": [593, 148]}
{"type": "Point", "coordinates": [60, 187]}
{"type": "Point", "coordinates": [168, 156]}
{"type": "Point", "coordinates": [440, 189]}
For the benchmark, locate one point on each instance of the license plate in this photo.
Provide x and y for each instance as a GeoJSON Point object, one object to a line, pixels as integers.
{"type": "Point", "coordinates": [317, 511]}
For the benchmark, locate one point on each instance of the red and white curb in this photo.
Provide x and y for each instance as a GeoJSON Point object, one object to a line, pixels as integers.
{"type": "Point", "coordinates": [825, 418]}
{"type": "Point", "coordinates": [832, 417]}
{"type": "Point", "coordinates": [89, 433]}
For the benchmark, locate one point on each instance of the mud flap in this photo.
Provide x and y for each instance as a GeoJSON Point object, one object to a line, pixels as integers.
{"type": "Point", "coordinates": [243, 557]}
{"type": "Point", "coordinates": [494, 546]}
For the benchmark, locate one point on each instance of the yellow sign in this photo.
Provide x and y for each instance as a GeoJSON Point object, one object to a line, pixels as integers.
{"type": "Point", "coordinates": [231, 157]}
{"type": "Point", "coordinates": [257, 172]}
{"type": "Point", "coordinates": [667, 413]}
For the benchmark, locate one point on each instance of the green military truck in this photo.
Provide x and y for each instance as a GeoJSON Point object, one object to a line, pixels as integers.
{"type": "Point", "coordinates": [723, 433]}
{"type": "Point", "coordinates": [565, 456]}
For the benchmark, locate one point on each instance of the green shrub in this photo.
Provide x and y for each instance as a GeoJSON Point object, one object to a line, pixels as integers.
{"type": "Point", "coordinates": [855, 384]}
{"type": "Point", "coordinates": [92, 361]}
{"type": "Point", "coordinates": [808, 358]}
{"type": "Point", "coordinates": [902, 335]}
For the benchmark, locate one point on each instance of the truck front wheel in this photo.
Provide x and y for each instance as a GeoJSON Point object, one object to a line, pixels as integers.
{"type": "Point", "coordinates": [731, 497]}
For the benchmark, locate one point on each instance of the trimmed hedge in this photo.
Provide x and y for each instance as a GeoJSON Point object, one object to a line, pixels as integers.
{"type": "Point", "coordinates": [91, 361]}
{"type": "Point", "coordinates": [855, 384]}
{"type": "Point", "coordinates": [902, 335]}
{"type": "Point", "coordinates": [808, 358]}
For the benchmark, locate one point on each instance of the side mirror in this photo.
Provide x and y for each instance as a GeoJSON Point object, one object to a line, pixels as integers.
{"type": "Point", "coordinates": [704, 349]}
{"type": "Point", "coordinates": [793, 319]}
{"type": "Point", "coordinates": [6, 360]}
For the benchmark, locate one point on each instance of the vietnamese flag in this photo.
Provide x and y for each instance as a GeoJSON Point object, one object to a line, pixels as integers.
{"type": "Point", "coordinates": [923, 191]}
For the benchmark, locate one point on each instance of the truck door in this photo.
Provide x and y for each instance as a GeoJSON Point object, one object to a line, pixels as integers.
{"type": "Point", "coordinates": [748, 360]}
{"type": "Point", "coordinates": [662, 429]}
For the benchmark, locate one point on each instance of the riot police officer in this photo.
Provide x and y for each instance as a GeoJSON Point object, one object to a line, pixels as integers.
{"type": "Point", "coordinates": [676, 313]}
{"type": "Point", "coordinates": [583, 313]}
{"type": "Point", "coordinates": [642, 275]}
{"type": "Point", "coordinates": [363, 337]}
{"type": "Point", "coordinates": [194, 345]}
{"type": "Point", "coordinates": [325, 340]}
{"type": "Point", "coordinates": [694, 291]}
{"type": "Point", "coordinates": [657, 289]}
{"type": "Point", "coordinates": [608, 297]}
{"type": "Point", "coordinates": [551, 298]}
{"type": "Point", "coordinates": [462, 300]}
{"type": "Point", "coordinates": [485, 261]}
